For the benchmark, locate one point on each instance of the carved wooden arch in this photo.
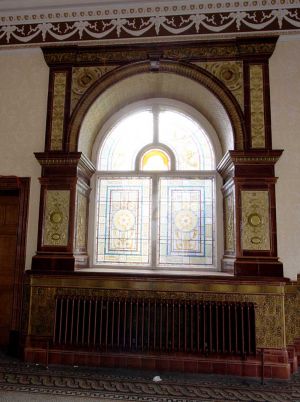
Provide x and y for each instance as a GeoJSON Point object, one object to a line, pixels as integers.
{"type": "Point", "coordinates": [192, 72]}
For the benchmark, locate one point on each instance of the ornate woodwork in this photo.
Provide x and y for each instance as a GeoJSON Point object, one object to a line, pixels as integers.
{"type": "Point", "coordinates": [19, 188]}
{"type": "Point", "coordinates": [236, 73]}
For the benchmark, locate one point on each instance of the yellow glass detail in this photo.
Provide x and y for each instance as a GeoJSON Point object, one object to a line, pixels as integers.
{"type": "Point", "coordinates": [155, 159]}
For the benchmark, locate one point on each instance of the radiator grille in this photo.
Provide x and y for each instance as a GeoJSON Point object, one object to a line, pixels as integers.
{"type": "Point", "coordinates": [148, 325]}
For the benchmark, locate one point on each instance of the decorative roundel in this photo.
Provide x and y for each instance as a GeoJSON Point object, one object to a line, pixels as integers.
{"type": "Point", "coordinates": [254, 219]}
{"type": "Point", "coordinates": [123, 220]}
{"type": "Point", "coordinates": [186, 220]}
{"type": "Point", "coordinates": [56, 217]}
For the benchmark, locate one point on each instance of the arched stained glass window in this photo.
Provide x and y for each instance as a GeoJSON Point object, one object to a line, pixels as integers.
{"type": "Point", "coordinates": [155, 197]}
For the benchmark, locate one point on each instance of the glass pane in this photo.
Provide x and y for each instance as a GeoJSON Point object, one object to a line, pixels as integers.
{"type": "Point", "coordinates": [125, 140]}
{"type": "Point", "coordinates": [123, 221]}
{"type": "Point", "coordinates": [187, 140]}
{"type": "Point", "coordinates": [155, 159]}
{"type": "Point", "coordinates": [186, 222]}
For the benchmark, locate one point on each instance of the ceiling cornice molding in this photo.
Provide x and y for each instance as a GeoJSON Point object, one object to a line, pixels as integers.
{"type": "Point", "coordinates": [164, 20]}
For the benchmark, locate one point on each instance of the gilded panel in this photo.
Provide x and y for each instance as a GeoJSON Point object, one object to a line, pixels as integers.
{"type": "Point", "coordinates": [81, 224]}
{"type": "Point", "coordinates": [255, 220]}
{"type": "Point", "coordinates": [292, 319]}
{"type": "Point", "coordinates": [231, 74]}
{"type": "Point", "coordinates": [83, 78]}
{"type": "Point", "coordinates": [229, 223]}
{"type": "Point", "coordinates": [58, 111]}
{"type": "Point", "coordinates": [257, 107]}
{"type": "Point", "coordinates": [56, 218]}
{"type": "Point", "coordinates": [42, 311]}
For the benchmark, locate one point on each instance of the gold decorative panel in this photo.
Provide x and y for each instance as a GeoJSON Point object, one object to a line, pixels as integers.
{"type": "Point", "coordinates": [229, 222]}
{"type": "Point", "coordinates": [231, 74]}
{"type": "Point", "coordinates": [255, 220]}
{"type": "Point", "coordinates": [292, 318]}
{"type": "Point", "coordinates": [83, 78]}
{"type": "Point", "coordinates": [257, 106]}
{"type": "Point", "coordinates": [81, 224]}
{"type": "Point", "coordinates": [42, 311]}
{"type": "Point", "coordinates": [58, 111]}
{"type": "Point", "coordinates": [56, 218]}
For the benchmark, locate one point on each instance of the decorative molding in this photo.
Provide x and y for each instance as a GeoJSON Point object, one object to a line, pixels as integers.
{"type": "Point", "coordinates": [58, 111]}
{"type": "Point", "coordinates": [149, 22]}
{"type": "Point", "coordinates": [255, 220]}
{"type": "Point", "coordinates": [231, 74]}
{"type": "Point", "coordinates": [83, 78]}
{"type": "Point", "coordinates": [257, 106]}
{"type": "Point", "coordinates": [182, 69]}
{"type": "Point", "coordinates": [56, 218]}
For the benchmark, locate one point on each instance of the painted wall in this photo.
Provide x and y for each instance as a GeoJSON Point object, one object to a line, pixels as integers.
{"type": "Point", "coordinates": [23, 103]}
{"type": "Point", "coordinates": [285, 109]}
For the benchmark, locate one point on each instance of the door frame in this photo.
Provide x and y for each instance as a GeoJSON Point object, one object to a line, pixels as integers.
{"type": "Point", "coordinates": [22, 185]}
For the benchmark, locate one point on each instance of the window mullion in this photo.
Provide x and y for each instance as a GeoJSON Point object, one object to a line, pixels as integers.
{"type": "Point", "coordinates": [154, 223]}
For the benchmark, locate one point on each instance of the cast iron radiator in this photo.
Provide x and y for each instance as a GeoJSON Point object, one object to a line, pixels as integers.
{"type": "Point", "coordinates": [154, 325]}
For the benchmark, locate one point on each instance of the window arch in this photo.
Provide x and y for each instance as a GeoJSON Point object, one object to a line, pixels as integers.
{"type": "Point", "coordinates": [155, 192]}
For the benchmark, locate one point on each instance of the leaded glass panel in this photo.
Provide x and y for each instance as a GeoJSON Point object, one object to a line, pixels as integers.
{"type": "Point", "coordinates": [125, 140]}
{"type": "Point", "coordinates": [123, 221]}
{"type": "Point", "coordinates": [185, 222]}
{"type": "Point", "coordinates": [187, 140]}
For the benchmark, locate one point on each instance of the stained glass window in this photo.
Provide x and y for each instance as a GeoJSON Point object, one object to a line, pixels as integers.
{"type": "Point", "coordinates": [123, 221]}
{"type": "Point", "coordinates": [185, 222]}
{"type": "Point", "coordinates": [160, 214]}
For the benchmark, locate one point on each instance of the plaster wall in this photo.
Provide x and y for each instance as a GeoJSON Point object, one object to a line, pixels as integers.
{"type": "Point", "coordinates": [23, 105]}
{"type": "Point", "coordinates": [285, 109]}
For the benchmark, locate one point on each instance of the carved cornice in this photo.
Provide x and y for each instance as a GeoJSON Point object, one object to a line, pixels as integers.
{"type": "Point", "coordinates": [75, 159]}
{"type": "Point", "coordinates": [128, 24]}
{"type": "Point", "coordinates": [191, 52]}
{"type": "Point", "coordinates": [234, 158]}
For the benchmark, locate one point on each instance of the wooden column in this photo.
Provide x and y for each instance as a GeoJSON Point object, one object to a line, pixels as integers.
{"type": "Point", "coordinates": [62, 235]}
{"type": "Point", "coordinates": [250, 213]}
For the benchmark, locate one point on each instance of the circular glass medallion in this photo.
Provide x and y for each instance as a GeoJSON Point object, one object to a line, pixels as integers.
{"type": "Point", "coordinates": [123, 220]}
{"type": "Point", "coordinates": [185, 220]}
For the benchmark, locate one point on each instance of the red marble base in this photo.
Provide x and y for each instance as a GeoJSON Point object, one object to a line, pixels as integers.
{"type": "Point", "coordinates": [276, 363]}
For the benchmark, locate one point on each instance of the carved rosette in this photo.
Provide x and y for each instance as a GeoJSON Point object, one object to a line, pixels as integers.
{"type": "Point", "coordinates": [58, 111]}
{"type": "Point", "coordinates": [257, 107]}
{"type": "Point", "coordinates": [56, 221]}
{"type": "Point", "coordinates": [81, 221]}
{"type": "Point", "coordinates": [229, 222]}
{"type": "Point", "coordinates": [255, 220]}
{"type": "Point", "coordinates": [231, 74]}
{"type": "Point", "coordinates": [83, 78]}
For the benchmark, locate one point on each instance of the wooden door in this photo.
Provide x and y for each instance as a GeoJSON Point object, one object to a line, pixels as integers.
{"type": "Point", "coordinates": [9, 217]}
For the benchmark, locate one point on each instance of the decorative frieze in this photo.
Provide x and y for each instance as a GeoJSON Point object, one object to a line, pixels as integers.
{"type": "Point", "coordinates": [133, 23]}
{"type": "Point", "coordinates": [255, 220]}
{"type": "Point", "coordinates": [58, 111]}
